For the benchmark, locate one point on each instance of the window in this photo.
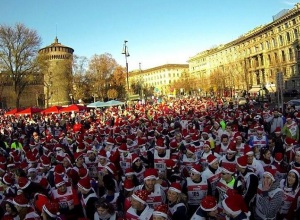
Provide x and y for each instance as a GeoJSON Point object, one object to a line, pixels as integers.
{"type": "Point", "coordinates": [288, 38]}
{"type": "Point", "coordinates": [295, 33]}
{"type": "Point", "coordinates": [268, 45]}
{"type": "Point", "coordinates": [279, 28]}
{"type": "Point", "coordinates": [275, 57]}
{"type": "Point", "coordinates": [294, 21]}
{"type": "Point", "coordinates": [283, 56]}
{"type": "Point", "coordinates": [274, 42]}
{"type": "Point", "coordinates": [291, 54]}
{"type": "Point", "coordinates": [269, 59]}
{"type": "Point", "coordinates": [280, 40]}
{"type": "Point", "coordinates": [286, 25]}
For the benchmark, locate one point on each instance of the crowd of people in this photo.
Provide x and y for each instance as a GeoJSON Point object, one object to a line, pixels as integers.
{"type": "Point", "coordinates": [184, 159]}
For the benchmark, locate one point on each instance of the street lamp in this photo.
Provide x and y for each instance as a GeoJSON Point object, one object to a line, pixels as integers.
{"type": "Point", "coordinates": [71, 97]}
{"type": "Point", "coordinates": [126, 53]}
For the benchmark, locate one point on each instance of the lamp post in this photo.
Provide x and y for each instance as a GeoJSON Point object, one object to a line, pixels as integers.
{"type": "Point", "coordinates": [71, 97]}
{"type": "Point", "coordinates": [126, 53]}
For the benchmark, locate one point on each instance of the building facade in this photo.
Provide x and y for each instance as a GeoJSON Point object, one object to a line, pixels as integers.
{"type": "Point", "coordinates": [58, 75]}
{"type": "Point", "coordinates": [159, 78]}
{"type": "Point", "coordinates": [253, 60]}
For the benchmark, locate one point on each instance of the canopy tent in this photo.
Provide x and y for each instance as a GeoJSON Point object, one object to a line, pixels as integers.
{"type": "Point", "coordinates": [73, 108]}
{"type": "Point", "coordinates": [113, 103]}
{"type": "Point", "coordinates": [29, 111]}
{"type": "Point", "coordinates": [97, 104]}
{"type": "Point", "coordinates": [52, 109]}
{"type": "Point", "coordinates": [12, 112]}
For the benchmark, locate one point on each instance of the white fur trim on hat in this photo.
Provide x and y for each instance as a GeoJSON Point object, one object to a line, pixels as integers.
{"type": "Point", "coordinates": [295, 171]}
{"type": "Point", "coordinates": [49, 213]}
{"type": "Point", "coordinates": [150, 177]}
{"type": "Point", "coordinates": [209, 210]}
{"type": "Point", "coordinates": [216, 159]}
{"type": "Point", "coordinates": [174, 189]}
{"type": "Point", "coordinates": [270, 175]}
{"type": "Point", "coordinates": [138, 198]}
{"type": "Point", "coordinates": [227, 209]}
{"type": "Point", "coordinates": [80, 186]}
{"type": "Point", "coordinates": [194, 171]}
{"type": "Point", "coordinates": [161, 214]}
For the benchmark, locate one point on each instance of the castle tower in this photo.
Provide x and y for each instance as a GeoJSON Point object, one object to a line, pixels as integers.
{"type": "Point", "coordinates": [58, 76]}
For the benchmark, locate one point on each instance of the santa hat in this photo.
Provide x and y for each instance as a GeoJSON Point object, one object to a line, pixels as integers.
{"type": "Point", "coordinates": [208, 204]}
{"type": "Point", "coordinates": [211, 159]}
{"type": "Point", "coordinates": [232, 147]}
{"type": "Point", "coordinates": [235, 204]}
{"type": "Point", "coordinates": [197, 168]}
{"type": "Point", "coordinates": [134, 157]}
{"type": "Point", "coordinates": [77, 155]}
{"type": "Point", "coordinates": [102, 154]}
{"type": "Point", "coordinates": [21, 200]}
{"type": "Point", "coordinates": [161, 211]}
{"type": "Point", "coordinates": [160, 143]}
{"type": "Point", "coordinates": [111, 168]}
{"type": "Point", "coordinates": [45, 161]}
{"type": "Point", "coordinates": [85, 184]}
{"type": "Point", "coordinates": [170, 164]}
{"type": "Point", "coordinates": [270, 172]}
{"type": "Point", "coordinates": [51, 208]}
{"type": "Point", "coordinates": [123, 148]}
{"type": "Point", "coordinates": [110, 141]}
{"type": "Point", "coordinates": [296, 172]}
{"type": "Point", "coordinates": [129, 172]}
{"type": "Point", "coordinates": [23, 182]}
{"type": "Point", "coordinates": [277, 130]}
{"type": "Point", "coordinates": [259, 130]}
{"type": "Point", "coordinates": [247, 150]}
{"type": "Point", "coordinates": [140, 196]}
{"type": "Point", "coordinates": [83, 172]}
{"type": "Point", "coordinates": [150, 173]}
{"type": "Point", "coordinates": [278, 157]}
{"type": "Point", "coordinates": [289, 141]}
{"type": "Point", "coordinates": [191, 149]}
{"type": "Point", "coordinates": [8, 180]}
{"type": "Point", "coordinates": [58, 181]}
{"type": "Point", "coordinates": [176, 187]}
{"type": "Point", "coordinates": [39, 201]}
{"type": "Point", "coordinates": [242, 161]}
{"type": "Point", "coordinates": [128, 185]}
{"type": "Point", "coordinates": [59, 169]}
{"type": "Point", "coordinates": [228, 168]}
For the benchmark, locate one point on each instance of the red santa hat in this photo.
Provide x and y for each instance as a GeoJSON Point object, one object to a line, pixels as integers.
{"type": "Point", "coordinates": [83, 172]}
{"type": "Point", "coordinates": [45, 161]}
{"type": "Point", "coordinates": [289, 141]}
{"type": "Point", "coordinates": [161, 211]}
{"type": "Point", "coordinates": [170, 164]}
{"type": "Point", "coordinates": [77, 155]}
{"type": "Point", "coordinates": [242, 161]}
{"type": "Point", "coordinates": [140, 196]}
{"type": "Point", "coordinates": [176, 187]}
{"type": "Point", "coordinates": [211, 159]}
{"type": "Point", "coordinates": [232, 147]}
{"type": "Point", "coordinates": [260, 130]}
{"type": "Point", "coordinates": [129, 172]}
{"type": "Point", "coordinates": [150, 173]}
{"type": "Point", "coordinates": [208, 204]}
{"type": "Point", "coordinates": [8, 180]}
{"type": "Point", "coordinates": [111, 168]}
{"type": "Point", "coordinates": [128, 185]}
{"type": "Point", "coordinates": [102, 154]}
{"type": "Point", "coordinates": [23, 182]}
{"type": "Point", "coordinates": [134, 157]}
{"type": "Point", "coordinates": [21, 200]}
{"type": "Point", "coordinates": [235, 204]}
{"type": "Point", "coordinates": [228, 168]}
{"type": "Point", "coordinates": [278, 157]}
{"type": "Point", "coordinates": [123, 148]}
{"type": "Point", "coordinates": [58, 181]}
{"type": "Point", "coordinates": [270, 172]}
{"type": "Point", "coordinates": [277, 130]}
{"type": "Point", "coordinates": [196, 168]}
{"type": "Point", "coordinates": [110, 141]}
{"type": "Point", "coordinates": [160, 143]}
{"type": "Point", "coordinates": [247, 150]}
{"type": "Point", "coordinates": [59, 169]}
{"type": "Point", "coordinates": [191, 149]}
{"type": "Point", "coordinates": [51, 208]}
{"type": "Point", "coordinates": [85, 184]}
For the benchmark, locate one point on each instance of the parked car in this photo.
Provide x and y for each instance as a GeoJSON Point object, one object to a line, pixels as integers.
{"type": "Point", "coordinates": [295, 103]}
{"type": "Point", "coordinates": [290, 93]}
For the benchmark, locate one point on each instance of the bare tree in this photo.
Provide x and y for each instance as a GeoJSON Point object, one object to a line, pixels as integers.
{"type": "Point", "coordinates": [19, 47]}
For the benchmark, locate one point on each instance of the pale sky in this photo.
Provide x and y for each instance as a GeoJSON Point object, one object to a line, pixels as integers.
{"type": "Point", "coordinates": [158, 31]}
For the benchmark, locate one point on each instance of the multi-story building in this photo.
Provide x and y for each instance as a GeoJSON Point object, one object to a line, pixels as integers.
{"type": "Point", "coordinates": [58, 75]}
{"type": "Point", "coordinates": [159, 78]}
{"type": "Point", "coordinates": [252, 61]}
